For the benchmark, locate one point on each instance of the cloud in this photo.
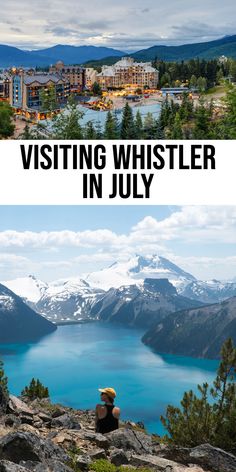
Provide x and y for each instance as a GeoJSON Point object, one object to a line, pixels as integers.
{"type": "Point", "coordinates": [172, 22]}
{"type": "Point", "coordinates": [192, 223]}
{"type": "Point", "coordinates": [187, 224]}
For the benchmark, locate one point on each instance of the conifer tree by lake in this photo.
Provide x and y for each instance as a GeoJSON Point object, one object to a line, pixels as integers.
{"type": "Point", "coordinates": [210, 415]}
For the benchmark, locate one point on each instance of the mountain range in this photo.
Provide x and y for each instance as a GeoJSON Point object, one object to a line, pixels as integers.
{"type": "Point", "coordinates": [149, 292]}
{"type": "Point", "coordinates": [141, 305]}
{"type": "Point", "coordinates": [74, 299]}
{"type": "Point", "coordinates": [12, 56]}
{"type": "Point", "coordinates": [18, 322]}
{"type": "Point", "coordinates": [198, 332]}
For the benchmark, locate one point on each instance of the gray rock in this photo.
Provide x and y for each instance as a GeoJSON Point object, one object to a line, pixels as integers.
{"type": "Point", "coordinates": [23, 446]}
{"type": "Point", "coordinates": [26, 418]}
{"type": "Point", "coordinates": [44, 417]}
{"type": "Point", "coordinates": [12, 420]}
{"type": "Point", "coordinates": [159, 463]}
{"type": "Point", "coordinates": [17, 406]}
{"type": "Point", "coordinates": [6, 466]}
{"type": "Point", "coordinates": [66, 421]}
{"type": "Point", "coordinates": [118, 457]}
{"type": "Point", "coordinates": [209, 457]}
{"type": "Point", "coordinates": [58, 411]}
{"type": "Point", "coordinates": [49, 466]}
{"type": "Point", "coordinates": [83, 461]}
{"type": "Point", "coordinates": [99, 439]}
{"type": "Point", "coordinates": [128, 439]}
{"type": "Point", "coordinates": [54, 466]}
{"type": "Point", "coordinates": [213, 458]}
{"type": "Point", "coordinates": [97, 454]}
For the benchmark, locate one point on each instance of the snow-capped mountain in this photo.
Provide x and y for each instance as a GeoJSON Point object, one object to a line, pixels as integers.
{"type": "Point", "coordinates": [66, 300]}
{"type": "Point", "coordinates": [76, 299]}
{"type": "Point", "coordinates": [29, 288]}
{"type": "Point", "coordinates": [211, 291]}
{"type": "Point", "coordinates": [61, 300]}
{"type": "Point", "coordinates": [141, 305]}
{"type": "Point", "coordinates": [136, 269]}
{"type": "Point", "coordinates": [18, 322]}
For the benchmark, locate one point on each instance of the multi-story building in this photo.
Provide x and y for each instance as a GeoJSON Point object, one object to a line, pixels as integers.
{"type": "Point", "coordinates": [90, 77]}
{"type": "Point", "coordinates": [4, 88]}
{"type": "Point", "coordinates": [128, 72]}
{"type": "Point", "coordinates": [75, 75]}
{"type": "Point", "coordinates": [26, 91]}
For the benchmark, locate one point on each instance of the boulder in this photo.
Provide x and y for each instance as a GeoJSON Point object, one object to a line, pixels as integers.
{"type": "Point", "coordinates": [18, 407]}
{"type": "Point", "coordinates": [44, 417]}
{"type": "Point", "coordinates": [6, 466]}
{"type": "Point", "coordinates": [26, 418]}
{"type": "Point", "coordinates": [128, 439]}
{"type": "Point", "coordinates": [99, 439]}
{"type": "Point", "coordinates": [118, 457]}
{"type": "Point", "coordinates": [213, 458]}
{"type": "Point", "coordinates": [207, 456]}
{"type": "Point", "coordinates": [12, 420]}
{"type": "Point", "coordinates": [97, 454]}
{"type": "Point", "coordinates": [65, 421]}
{"type": "Point", "coordinates": [50, 466]}
{"type": "Point", "coordinates": [58, 411]}
{"type": "Point", "coordinates": [154, 461]}
{"type": "Point", "coordinates": [23, 446]}
{"type": "Point", "coordinates": [83, 461]}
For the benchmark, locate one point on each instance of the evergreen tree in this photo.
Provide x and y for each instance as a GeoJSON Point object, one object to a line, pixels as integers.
{"type": "Point", "coordinates": [127, 130]}
{"type": "Point", "coordinates": [138, 124]}
{"type": "Point", "coordinates": [3, 380]}
{"type": "Point", "coordinates": [27, 133]}
{"type": "Point", "coordinates": [111, 130]}
{"type": "Point", "coordinates": [35, 390]}
{"type": "Point", "coordinates": [89, 131]}
{"type": "Point", "coordinates": [96, 89]}
{"type": "Point", "coordinates": [98, 129]}
{"type": "Point", "coordinates": [149, 128]}
{"type": "Point", "coordinates": [202, 123]}
{"type": "Point", "coordinates": [67, 124]}
{"type": "Point", "coordinates": [229, 120]}
{"type": "Point", "coordinates": [199, 420]}
{"type": "Point", "coordinates": [193, 81]}
{"type": "Point", "coordinates": [202, 84]}
{"type": "Point", "coordinates": [160, 133]}
{"type": "Point", "coordinates": [176, 132]}
{"type": "Point", "coordinates": [6, 125]}
{"type": "Point", "coordinates": [47, 98]}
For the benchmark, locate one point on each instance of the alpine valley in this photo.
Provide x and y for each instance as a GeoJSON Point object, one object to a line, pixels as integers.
{"type": "Point", "coordinates": [149, 292]}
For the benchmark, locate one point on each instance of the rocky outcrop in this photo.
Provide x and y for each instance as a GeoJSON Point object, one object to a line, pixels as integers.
{"type": "Point", "coordinates": [209, 457]}
{"type": "Point", "coordinates": [60, 439]}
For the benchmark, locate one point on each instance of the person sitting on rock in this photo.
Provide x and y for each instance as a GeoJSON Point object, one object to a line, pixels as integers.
{"type": "Point", "coordinates": [107, 415]}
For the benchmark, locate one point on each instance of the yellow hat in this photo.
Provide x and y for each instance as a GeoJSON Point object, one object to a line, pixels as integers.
{"type": "Point", "coordinates": [109, 391]}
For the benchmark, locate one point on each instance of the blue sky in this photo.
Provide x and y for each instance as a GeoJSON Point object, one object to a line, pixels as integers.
{"type": "Point", "coordinates": [125, 25]}
{"type": "Point", "coordinates": [54, 242]}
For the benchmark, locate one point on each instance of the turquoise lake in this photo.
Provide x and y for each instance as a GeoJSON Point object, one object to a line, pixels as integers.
{"type": "Point", "coordinates": [76, 360]}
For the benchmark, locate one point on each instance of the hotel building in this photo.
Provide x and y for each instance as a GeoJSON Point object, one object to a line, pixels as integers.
{"type": "Point", "coordinates": [25, 92]}
{"type": "Point", "coordinates": [128, 72]}
{"type": "Point", "coordinates": [74, 75]}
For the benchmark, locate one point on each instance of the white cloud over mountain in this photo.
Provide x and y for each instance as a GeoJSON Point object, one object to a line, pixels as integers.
{"type": "Point", "coordinates": [200, 239]}
{"type": "Point", "coordinates": [125, 25]}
